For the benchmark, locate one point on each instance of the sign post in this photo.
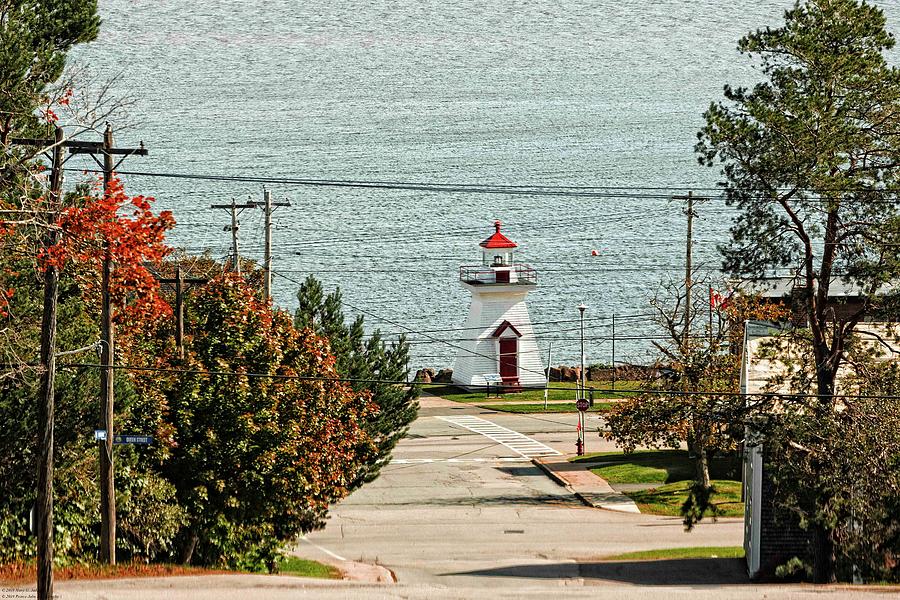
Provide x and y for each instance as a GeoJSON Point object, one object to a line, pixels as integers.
{"type": "Point", "coordinates": [490, 378]}
{"type": "Point", "coordinates": [582, 405]}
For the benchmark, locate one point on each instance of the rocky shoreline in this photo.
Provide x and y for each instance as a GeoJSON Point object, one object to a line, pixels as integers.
{"type": "Point", "coordinates": [559, 373]}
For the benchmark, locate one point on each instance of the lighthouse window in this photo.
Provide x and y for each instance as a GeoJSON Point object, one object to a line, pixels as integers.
{"type": "Point", "coordinates": [498, 259]}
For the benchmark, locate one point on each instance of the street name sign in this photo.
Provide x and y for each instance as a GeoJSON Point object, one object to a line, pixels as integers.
{"type": "Point", "coordinates": [100, 435]}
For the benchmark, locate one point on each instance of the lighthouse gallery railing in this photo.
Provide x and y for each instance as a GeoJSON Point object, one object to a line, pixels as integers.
{"type": "Point", "coordinates": [508, 275]}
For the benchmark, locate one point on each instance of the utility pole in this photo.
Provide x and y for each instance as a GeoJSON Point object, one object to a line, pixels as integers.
{"type": "Point", "coordinates": [614, 351]}
{"type": "Point", "coordinates": [581, 308]}
{"type": "Point", "coordinates": [179, 311]}
{"type": "Point", "coordinates": [267, 256]}
{"type": "Point", "coordinates": [180, 281]}
{"type": "Point", "coordinates": [48, 381]}
{"type": "Point", "coordinates": [107, 383]}
{"type": "Point", "coordinates": [547, 382]}
{"type": "Point", "coordinates": [46, 406]}
{"type": "Point", "coordinates": [579, 444]}
{"type": "Point", "coordinates": [269, 208]}
{"type": "Point", "coordinates": [235, 210]}
{"type": "Point", "coordinates": [688, 266]}
{"type": "Point", "coordinates": [107, 358]}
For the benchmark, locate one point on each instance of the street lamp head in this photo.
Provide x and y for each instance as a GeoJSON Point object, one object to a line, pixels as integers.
{"type": "Point", "coordinates": [582, 307]}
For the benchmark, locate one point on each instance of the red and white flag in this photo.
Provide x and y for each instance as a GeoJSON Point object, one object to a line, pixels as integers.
{"type": "Point", "coordinates": [717, 300]}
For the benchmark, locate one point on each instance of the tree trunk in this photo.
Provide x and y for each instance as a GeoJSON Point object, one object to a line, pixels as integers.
{"type": "Point", "coordinates": [5, 131]}
{"type": "Point", "coordinates": [187, 551]}
{"type": "Point", "coordinates": [697, 446]}
{"type": "Point", "coordinates": [822, 544]}
{"type": "Point", "coordinates": [823, 555]}
{"type": "Point", "coordinates": [702, 465]}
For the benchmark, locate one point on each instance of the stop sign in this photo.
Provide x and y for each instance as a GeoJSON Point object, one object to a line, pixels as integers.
{"type": "Point", "coordinates": [582, 404]}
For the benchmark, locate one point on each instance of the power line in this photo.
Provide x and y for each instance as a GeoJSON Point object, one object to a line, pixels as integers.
{"type": "Point", "coordinates": [606, 191]}
{"type": "Point", "coordinates": [277, 376]}
{"type": "Point", "coordinates": [515, 190]}
{"type": "Point", "coordinates": [396, 324]}
{"type": "Point", "coordinates": [432, 274]}
{"type": "Point", "coordinates": [546, 335]}
{"type": "Point", "coordinates": [627, 317]}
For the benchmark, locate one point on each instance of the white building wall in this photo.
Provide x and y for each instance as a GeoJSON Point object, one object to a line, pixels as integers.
{"type": "Point", "coordinates": [478, 356]}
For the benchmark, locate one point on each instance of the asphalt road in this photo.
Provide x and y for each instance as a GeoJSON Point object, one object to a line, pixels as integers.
{"type": "Point", "coordinates": [481, 514]}
{"type": "Point", "coordinates": [460, 515]}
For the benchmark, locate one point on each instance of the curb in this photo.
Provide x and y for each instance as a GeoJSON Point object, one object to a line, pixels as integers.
{"type": "Point", "coordinates": [585, 498]}
{"type": "Point", "coordinates": [561, 482]}
{"type": "Point", "coordinates": [552, 475]}
{"type": "Point", "coordinates": [364, 572]}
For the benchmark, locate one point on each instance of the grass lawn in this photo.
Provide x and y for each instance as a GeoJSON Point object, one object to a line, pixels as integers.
{"type": "Point", "coordinates": [674, 471]}
{"type": "Point", "coordinates": [299, 567]}
{"type": "Point", "coordinates": [558, 391]}
{"type": "Point", "coordinates": [668, 499]}
{"type": "Point", "coordinates": [657, 466]}
{"type": "Point", "coordinates": [670, 553]}
{"type": "Point", "coordinates": [539, 407]}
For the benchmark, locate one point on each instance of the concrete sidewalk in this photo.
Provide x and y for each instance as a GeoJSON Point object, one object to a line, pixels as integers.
{"type": "Point", "coordinates": [587, 487]}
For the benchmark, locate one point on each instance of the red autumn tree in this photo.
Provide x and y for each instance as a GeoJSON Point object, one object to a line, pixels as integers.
{"type": "Point", "coordinates": [263, 437]}
{"type": "Point", "coordinates": [88, 224]}
{"type": "Point", "coordinates": [133, 235]}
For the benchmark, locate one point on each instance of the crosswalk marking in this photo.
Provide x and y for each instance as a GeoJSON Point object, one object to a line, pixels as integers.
{"type": "Point", "coordinates": [423, 461]}
{"type": "Point", "coordinates": [519, 443]}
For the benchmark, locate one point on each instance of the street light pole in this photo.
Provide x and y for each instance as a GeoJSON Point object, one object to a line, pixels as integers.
{"type": "Point", "coordinates": [581, 307]}
{"type": "Point", "coordinates": [580, 443]}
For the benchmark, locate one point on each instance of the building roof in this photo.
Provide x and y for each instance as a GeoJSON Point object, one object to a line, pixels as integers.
{"type": "Point", "coordinates": [781, 287]}
{"type": "Point", "coordinates": [503, 327]}
{"type": "Point", "coordinates": [769, 362]}
{"type": "Point", "coordinates": [498, 240]}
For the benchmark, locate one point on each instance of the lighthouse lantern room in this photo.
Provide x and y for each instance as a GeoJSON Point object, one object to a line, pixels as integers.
{"type": "Point", "coordinates": [498, 337]}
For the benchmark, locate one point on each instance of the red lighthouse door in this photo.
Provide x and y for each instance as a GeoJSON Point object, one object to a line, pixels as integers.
{"type": "Point", "coordinates": [509, 361]}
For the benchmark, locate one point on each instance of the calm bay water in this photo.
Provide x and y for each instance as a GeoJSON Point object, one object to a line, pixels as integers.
{"type": "Point", "coordinates": [602, 93]}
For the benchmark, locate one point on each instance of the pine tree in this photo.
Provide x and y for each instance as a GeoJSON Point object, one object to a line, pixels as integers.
{"type": "Point", "coordinates": [811, 160]}
{"type": "Point", "coordinates": [373, 363]}
{"type": "Point", "coordinates": [34, 38]}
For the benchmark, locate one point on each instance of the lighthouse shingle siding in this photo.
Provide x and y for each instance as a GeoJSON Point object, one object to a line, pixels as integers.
{"type": "Point", "coordinates": [479, 357]}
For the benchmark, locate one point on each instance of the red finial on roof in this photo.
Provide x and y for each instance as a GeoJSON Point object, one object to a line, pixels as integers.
{"type": "Point", "coordinates": [498, 240]}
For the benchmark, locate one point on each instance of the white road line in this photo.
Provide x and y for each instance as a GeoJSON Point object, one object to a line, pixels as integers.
{"type": "Point", "coordinates": [325, 550]}
{"type": "Point", "coordinates": [519, 443]}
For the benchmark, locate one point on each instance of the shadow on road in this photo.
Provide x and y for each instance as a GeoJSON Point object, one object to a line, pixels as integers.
{"type": "Point", "coordinates": [502, 499]}
{"type": "Point", "coordinates": [700, 571]}
{"type": "Point", "coordinates": [528, 471]}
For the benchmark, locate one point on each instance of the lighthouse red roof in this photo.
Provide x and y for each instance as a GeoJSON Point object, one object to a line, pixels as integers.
{"type": "Point", "coordinates": [498, 240]}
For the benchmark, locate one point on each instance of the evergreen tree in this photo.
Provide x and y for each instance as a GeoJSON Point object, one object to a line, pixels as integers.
{"type": "Point", "coordinates": [373, 362]}
{"type": "Point", "coordinates": [34, 38]}
{"type": "Point", "coordinates": [256, 460]}
{"type": "Point", "coordinates": [811, 159]}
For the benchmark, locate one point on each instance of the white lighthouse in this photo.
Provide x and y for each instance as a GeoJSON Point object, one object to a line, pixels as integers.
{"type": "Point", "coordinates": [498, 337]}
